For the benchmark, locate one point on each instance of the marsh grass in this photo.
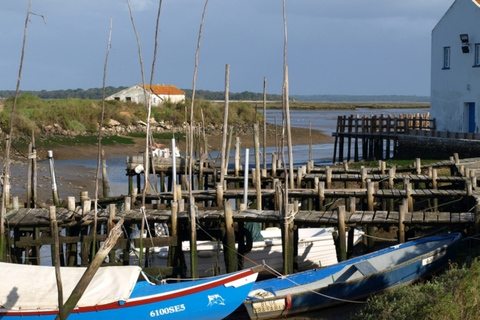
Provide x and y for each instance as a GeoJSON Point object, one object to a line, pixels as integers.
{"type": "Point", "coordinates": [451, 295]}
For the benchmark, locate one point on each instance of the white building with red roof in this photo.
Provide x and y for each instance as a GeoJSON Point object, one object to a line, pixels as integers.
{"type": "Point", "coordinates": [158, 94]}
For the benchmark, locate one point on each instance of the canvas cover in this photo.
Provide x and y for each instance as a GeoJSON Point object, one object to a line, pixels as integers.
{"type": "Point", "coordinates": [30, 287]}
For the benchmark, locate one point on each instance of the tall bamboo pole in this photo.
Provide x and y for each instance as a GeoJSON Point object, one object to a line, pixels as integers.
{"type": "Point", "coordinates": [3, 209]}
{"type": "Point", "coordinates": [225, 125]}
{"type": "Point", "coordinates": [193, 234]}
{"type": "Point", "coordinates": [265, 123]}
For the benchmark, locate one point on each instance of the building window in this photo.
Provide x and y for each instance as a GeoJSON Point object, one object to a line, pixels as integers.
{"type": "Point", "coordinates": [446, 57]}
{"type": "Point", "coordinates": [476, 63]}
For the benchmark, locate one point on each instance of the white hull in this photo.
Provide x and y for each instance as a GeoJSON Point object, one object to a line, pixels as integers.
{"type": "Point", "coordinates": [316, 249]}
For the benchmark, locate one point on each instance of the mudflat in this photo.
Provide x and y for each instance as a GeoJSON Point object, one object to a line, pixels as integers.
{"type": "Point", "coordinates": [72, 180]}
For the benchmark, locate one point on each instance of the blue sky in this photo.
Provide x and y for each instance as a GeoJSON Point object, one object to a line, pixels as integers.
{"type": "Point", "coordinates": [369, 47]}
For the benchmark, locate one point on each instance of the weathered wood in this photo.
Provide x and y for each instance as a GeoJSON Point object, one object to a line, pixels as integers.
{"type": "Point", "coordinates": [342, 236]}
{"type": "Point", "coordinates": [82, 285]}
{"type": "Point", "coordinates": [229, 240]}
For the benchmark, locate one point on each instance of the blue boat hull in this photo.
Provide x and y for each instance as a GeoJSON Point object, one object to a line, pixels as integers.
{"type": "Point", "coordinates": [350, 280]}
{"type": "Point", "coordinates": [212, 298]}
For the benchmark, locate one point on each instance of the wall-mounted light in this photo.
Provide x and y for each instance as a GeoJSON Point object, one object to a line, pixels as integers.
{"type": "Point", "coordinates": [465, 44]}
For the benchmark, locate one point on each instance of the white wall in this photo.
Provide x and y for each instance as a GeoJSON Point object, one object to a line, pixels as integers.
{"type": "Point", "coordinates": [451, 89]}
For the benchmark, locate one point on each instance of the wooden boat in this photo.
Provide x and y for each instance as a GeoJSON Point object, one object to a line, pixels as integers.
{"type": "Point", "coordinates": [30, 292]}
{"type": "Point", "coordinates": [353, 279]}
{"type": "Point", "coordinates": [316, 248]}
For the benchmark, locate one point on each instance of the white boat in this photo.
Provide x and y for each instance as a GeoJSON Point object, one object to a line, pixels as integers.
{"type": "Point", "coordinates": [316, 249]}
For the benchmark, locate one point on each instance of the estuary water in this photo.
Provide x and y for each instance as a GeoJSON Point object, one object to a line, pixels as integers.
{"type": "Point", "coordinates": [322, 154]}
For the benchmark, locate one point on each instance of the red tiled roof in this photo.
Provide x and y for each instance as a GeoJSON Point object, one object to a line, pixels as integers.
{"type": "Point", "coordinates": [164, 90]}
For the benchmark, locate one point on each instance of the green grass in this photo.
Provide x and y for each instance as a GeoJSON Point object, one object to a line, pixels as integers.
{"type": "Point", "coordinates": [451, 295]}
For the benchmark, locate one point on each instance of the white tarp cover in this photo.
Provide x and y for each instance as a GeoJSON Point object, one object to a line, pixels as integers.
{"type": "Point", "coordinates": [30, 287]}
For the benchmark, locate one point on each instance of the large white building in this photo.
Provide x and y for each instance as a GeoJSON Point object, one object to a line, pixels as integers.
{"type": "Point", "coordinates": [158, 94]}
{"type": "Point", "coordinates": [455, 69]}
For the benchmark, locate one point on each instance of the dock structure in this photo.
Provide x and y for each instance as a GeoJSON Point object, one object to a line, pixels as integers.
{"type": "Point", "coordinates": [375, 136]}
{"type": "Point", "coordinates": [443, 194]}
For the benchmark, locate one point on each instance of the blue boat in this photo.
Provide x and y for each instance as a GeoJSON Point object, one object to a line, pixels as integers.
{"type": "Point", "coordinates": [30, 292]}
{"type": "Point", "coordinates": [353, 279]}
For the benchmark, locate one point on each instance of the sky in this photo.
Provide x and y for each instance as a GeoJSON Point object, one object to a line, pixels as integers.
{"type": "Point", "coordinates": [338, 47]}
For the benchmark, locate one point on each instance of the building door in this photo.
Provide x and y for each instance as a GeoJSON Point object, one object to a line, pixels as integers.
{"type": "Point", "coordinates": [471, 117]}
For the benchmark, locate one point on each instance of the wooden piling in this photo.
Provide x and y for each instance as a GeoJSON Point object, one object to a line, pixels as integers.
{"type": "Point", "coordinates": [342, 235]}
{"type": "Point", "coordinates": [229, 241]}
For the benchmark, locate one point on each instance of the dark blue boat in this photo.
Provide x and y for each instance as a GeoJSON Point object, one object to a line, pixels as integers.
{"type": "Point", "coordinates": [353, 279]}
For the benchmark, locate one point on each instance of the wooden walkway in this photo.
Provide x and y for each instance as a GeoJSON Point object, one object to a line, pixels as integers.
{"type": "Point", "coordinates": [24, 218]}
{"type": "Point", "coordinates": [414, 198]}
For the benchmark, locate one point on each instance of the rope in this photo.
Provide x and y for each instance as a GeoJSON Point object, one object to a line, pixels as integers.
{"type": "Point", "coordinates": [313, 291]}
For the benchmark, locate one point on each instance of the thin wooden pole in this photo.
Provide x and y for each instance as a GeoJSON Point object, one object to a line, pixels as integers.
{"type": "Point", "coordinates": [87, 277]}
{"type": "Point", "coordinates": [265, 123]}
{"type": "Point", "coordinates": [342, 234]}
{"type": "Point", "coordinates": [229, 241]}
{"type": "Point", "coordinates": [258, 178]}
{"type": "Point", "coordinates": [225, 125]}
{"type": "Point", "coordinates": [56, 259]}
{"type": "Point", "coordinates": [52, 176]}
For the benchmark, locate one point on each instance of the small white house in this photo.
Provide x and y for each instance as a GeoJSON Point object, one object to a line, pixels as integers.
{"type": "Point", "coordinates": [455, 69]}
{"type": "Point", "coordinates": [158, 94]}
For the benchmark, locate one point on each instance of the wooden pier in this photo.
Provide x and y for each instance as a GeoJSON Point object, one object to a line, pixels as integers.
{"type": "Point", "coordinates": [375, 136]}
{"type": "Point", "coordinates": [442, 194]}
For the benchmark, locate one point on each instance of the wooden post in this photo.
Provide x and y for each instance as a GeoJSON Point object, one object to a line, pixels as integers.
{"type": "Point", "coordinates": [287, 239]}
{"type": "Point", "coordinates": [401, 222]}
{"type": "Point", "coordinates": [363, 174]}
{"type": "Point", "coordinates": [299, 177]}
{"type": "Point", "coordinates": [127, 202]}
{"type": "Point", "coordinates": [265, 123]}
{"type": "Point", "coordinates": [321, 195]}
{"type": "Point", "coordinates": [370, 194]}
{"type": "Point", "coordinates": [223, 166]}
{"type": "Point", "coordinates": [237, 156]}
{"type": "Point", "coordinates": [342, 235]}
{"type": "Point", "coordinates": [408, 189]}
{"type": "Point", "coordinates": [174, 251]}
{"type": "Point", "coordinates": [418, 165]}
{"type": "Point", "coordinates": [229, 240]}
{"type": "Point", "coordinates": [106, 186]}
{"type": "Point", "coordinates": [328, 177]}
{"type": "Point", "coordinates": [82, 285]}
{"type": "Point", "coordinates": [56, 260]}
{"type": "Point", "coordinates": [258, 176]}
{"type": "Point", "coordinates": [274, 164]}
{"type": "Point", "coordinates": [219, 191]}
{"type": "Point", "coordinates": [193, 239]}
{"type": "Point", "coordinates": [71, 203]}
{"type": "Point", "coordinates": [110, 225]}
{"type": "Point", "coordinates": [391, 185]}
{"type": "Point", "coordinates": [15, 205]}
{"type": "Point", "coordinates": [52, 176]}
{"type": "Point", "coordinates": [29, 177]}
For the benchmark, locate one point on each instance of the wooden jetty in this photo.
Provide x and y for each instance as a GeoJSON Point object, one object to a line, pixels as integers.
{"type": "Point", "coordinates": [442, 194]}
{"type": "Point", "coordinates": [376, 136]}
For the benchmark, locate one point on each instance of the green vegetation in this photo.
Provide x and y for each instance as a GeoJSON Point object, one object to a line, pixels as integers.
{"type": "Point", "coordinates": [452, 295]}
{"type": "Point", "coordinates": [96, 94]}
{"type": "Point", "coordinates": [83, 115]}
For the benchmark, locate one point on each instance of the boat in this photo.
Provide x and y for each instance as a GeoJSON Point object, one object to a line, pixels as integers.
{"type": "Point", "coordinates": [352, 279]}
{"type": "Point", "coordinates": [30, 292]}
{"type": "Point", "coordinates": [316, 249]}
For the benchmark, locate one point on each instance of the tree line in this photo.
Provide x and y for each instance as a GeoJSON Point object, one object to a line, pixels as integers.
{"type": "Point", "coordinates": [96, 94]}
